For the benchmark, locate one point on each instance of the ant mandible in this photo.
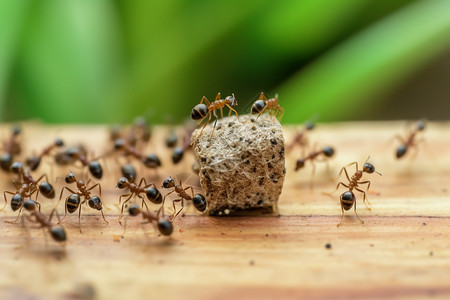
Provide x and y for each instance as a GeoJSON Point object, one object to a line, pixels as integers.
{"type": "Point", "coordinates": [56, 231]}
{"type": "Point", "coordinates": [73, 202]}
{"type": "Point", "coordinates": [136, 189]}
{"type": "Point", "coordinates": [201, 110]}
{"type": "Point", "coordinates": [410, 141]}
{"type": "Point", "coordinates": [348, 198]}
{"type": "Point", "coordinates": [263, 104]}
{"type": "Point", "coordinates": [198, 199]}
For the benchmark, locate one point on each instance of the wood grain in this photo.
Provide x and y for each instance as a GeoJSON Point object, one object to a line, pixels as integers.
{"type": "Point", "coordinates": [401, 252]}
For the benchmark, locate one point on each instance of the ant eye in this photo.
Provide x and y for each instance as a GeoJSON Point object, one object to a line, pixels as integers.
{"type": "Point", "coordinates": [368, 168]}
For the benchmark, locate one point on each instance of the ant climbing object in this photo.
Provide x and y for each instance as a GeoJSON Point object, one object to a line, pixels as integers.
{"type": "Point", "coordinates": [263, 104]}
{"type": "Point", "coordinates": [348, 199]}
{"type": "Point", "coordinates": [201, 110]}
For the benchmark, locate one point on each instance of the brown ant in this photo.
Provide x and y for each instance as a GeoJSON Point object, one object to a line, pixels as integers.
{"type": "Point", "coordinates": [348, 198]}
{"type": "Point", "coordinates": [34, 161]}
{"type": "Point", "coordinates": [263, 104]}
{"type": "Point", "coordinates": [25, 177]}
{"type": "Point", "coordinates": [73, 202]}
{"type": "Point", "coordinates": [410, 141]}
{"type": "Point", "coordinates": [11, 148]}
{"type": "Point", "coordinates": [150, 161]}
{"type": "Point", "coordinates": [300, 137]}
{"type": "Point", "coordinates": [56, 231]}
{"type": "Point", "coordinates": [137, 189]}
{"type": "Point", "coordinates": [164, 225]}
{"type": "Point", "coordinates": [72, 154]}
{"type": "Point", "coordinates": [198, 199]}
{"type": "Point", "coordinates": [139, 131]}
{"type": "Point", "coordinates": [201, 110]}
{"type": "Point", "coordinates": [17, 200]}
{"type": "Point", "coordinates": [326, 151]}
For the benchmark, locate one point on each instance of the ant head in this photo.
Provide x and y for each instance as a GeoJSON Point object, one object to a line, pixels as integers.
{"type": "Point", "coordinates": [96, 169]}
{"type": "Point", "coordinates": [368, 168]}
{"type": "Point", "coordinates": [95, 203]}
{"type": "Point", "coordinates": [199, 112]}
{"type": "Point", "coordinates": [177, 154]}
{"type": "Point", "coordinates": [165, 227]}
{"type": "Point", "coordinates": [30, 205]}
{"type": "Point", "coordinates": [168, 183]}
{"type": "Point", "coordinates": [70, 178]}
{"type": "Point", "coordinates": [300, 164]}
{"type": "Point", "coordinates": [119, 144]}
{"type": "Point", "coordinates": [17, 168]}
{"type": "Point", "coordinates": [328, 151]}
{"type": "Point", "coordinates": [123, 183]}
{"type": "Point", "coordinates": [58, 233]}
{"type": "Point", "coordinates": [258, 106]}
{"type": "Point", "coordinates": [232, 99]}
{"type": "Point", "coordinates": [59, 142]}
{"type": "Point", "coordinates": [134, 210]}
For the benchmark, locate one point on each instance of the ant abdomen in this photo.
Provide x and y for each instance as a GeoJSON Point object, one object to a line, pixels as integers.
{"type": "Point", "coordinates": [16, 202]}
{"type": "Point", "coordinates": [95, 203]}
{"type": "Point", "coordinates": [347, 200]}
{"type": "Point", "coordinates": [96, 169]}
{"type": "Point", "coordinates": [47, 190]}
{"type": "Point", "coordinates": [58, 233]}
{"type": "Point", "coordinates": [401, 150]}
{"type": "Point", "coordinates": [72, 203]}
{"type": "Point", "coordinates": [165, 227]}
{"type": "Point", "coordinates": [153, 195]}
{"type": "Point", "coordinates": [199, 202]}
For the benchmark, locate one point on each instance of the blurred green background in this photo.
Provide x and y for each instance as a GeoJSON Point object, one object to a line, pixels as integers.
{"type": "Point", "coordinates": [95, 61]}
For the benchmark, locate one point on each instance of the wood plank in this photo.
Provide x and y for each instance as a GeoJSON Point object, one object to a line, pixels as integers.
{"type": "Point", "coordinates": [402, 250]}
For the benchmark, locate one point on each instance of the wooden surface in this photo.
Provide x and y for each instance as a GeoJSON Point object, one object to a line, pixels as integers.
{"type": "Point", "coordinates": [401, 252]}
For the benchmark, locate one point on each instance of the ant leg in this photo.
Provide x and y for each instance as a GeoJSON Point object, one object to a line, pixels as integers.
{"type": "Point", "coordinates": [221, 113]}
{"type": "Point", "coordinates": [340, 183]}
{"type": "Point", "coordinates": [262, 96]}
{"type": "Point", "coordinates": [6, 201]}
{"type": "Point", "coordinates": [99, 188]}
{"type": "Point", "coordinates": [143, 202]}
{"type": "Point", "coordinates": [231, 110]}
{"type": "Point", "coordinates": [209, 119]}
{"type": "Point", "coordinates": [79, 217]}
{"type": "Point", "coordinates": [365, 201]}
{"type": "Point", "coordinates": [281, 112]}
{"type": "Point", "coordinates": [367, 189]}
{"type": "Point", "coordinates": [206, 100]}
{"type": "Point", "coordinates": [15, 221]}
{"type": "Point", "coordinates": [164, 199]}
{"type": "Point", "coordinates": [172, 218]}
{"type": "Point", "coordinates": [103, 216]}
{"type": "Point", "coordinates": [342, 217]}
{"type": "Point", "coordinates": [60, 195]}
{"type": "Point", "coordinates": [261, 112]}
{"type": "Point", "coordinates": [362, 222]}
{"type": "Point", "coordinates": [123, 205]}
{"type": "Point", "coordinates": [192, 190]}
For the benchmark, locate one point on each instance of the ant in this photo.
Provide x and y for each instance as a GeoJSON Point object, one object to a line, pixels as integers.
{"type": "Point", "coordinates": [34, 161]}
{"type": "Point", "coordinates": [94, 166]}
{"type": "Point", "coordinates": [198, 199]}
{"type": "Point", "coordinates": [201, 110]}
{"type": "Point", "coordinates": [410, 141]}
{"type": "Point", "coordinates": [137, 189]}
{"type": "Point", "coordinates": [263, 104]}
{"type": "Point", "coordinates": [326, 151]}
{"type": "Point", "coordinates": [150, 161]}
{"type": "Point", "coordinates": [25, 177]}
{"type": "Point", "coordinates": [11, 148]}
{"type": "Point", "coordinates": [73, 202]}
{"type": "Point", "coordinates": [300, 137]}
{"type": "Point", "coordinates": [56, 231]}
{"type": "Point", "coordinates": [178, 152]}
{"type": "Point", "coordinates": [17, 200]}
{"type": "Point", "coordinates": [164, 225]}
{"type": "Point", "coordinates": [348, 198]}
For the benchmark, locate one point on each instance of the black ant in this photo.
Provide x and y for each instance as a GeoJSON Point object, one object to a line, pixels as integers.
{"type": "Point", "coordinates": [198, 199]}
{"type": "Point", "coordinates": [150, 161]}
{"type": "Point", "coordinates": [300, 137]}
{"type": "Point", "coordinates": [136, 189]}
{"type": "Point", "coordinates": [263, 104]}
{"type": "Point", "coordinates": [73, 202]}
{"type": "Point", "coordinates": [17, 200]}
{"type": "Point", "coordinates": [25, 177]}
{"type": "Point", "coordinates": [56, 231]}
{"type": "Point", "coordinates": [164, 225]}
{"type": "Point", "coordinates": [94, 166]}
{"type": "Point", "coordinates": [326, 151]}
{"type": "Point", "coordinates": [410, 141]}
{"type": "Point", "coordinates": [348, 198]}
{"type": "Point", "coordinates": [201, 110]}
{"type": "Point", "coordinates": [11, 148]}
{"type": "Point", "coordinates": [34, 161]}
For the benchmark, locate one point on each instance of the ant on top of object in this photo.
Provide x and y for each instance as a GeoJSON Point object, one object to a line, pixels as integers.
{"type": "Point", "coordinates": [163, 225]}
{"type": "Point", "coordinates": [326, 151]}
{"type": "Point", "coordinates": [11, 148]}
{"type": "Point", "coordinates": [263, 104]}
{"type": "Point", "coordinates": [25, 177]}
{"type": "Point", "coordinates": [300, 137]}
{"type": "Point", "coordinates": [137, 189]}
{"type": "Point", "coordinates": [198, 200]}
{"type": "Point", "coordinates": [33, 162]}
{"type": "Point", "coordinates": [348, 198]}
{"type": "Point", "coordinates": [201, 110]}
{"type": "Point", "coordinates": [73, 202]}
{"type": "Point", "coordinates": [150, 161]}
{"type": "Point", "coordinates": [410, 141]}
{"type": "Point", "coordinates": [56, 231]}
